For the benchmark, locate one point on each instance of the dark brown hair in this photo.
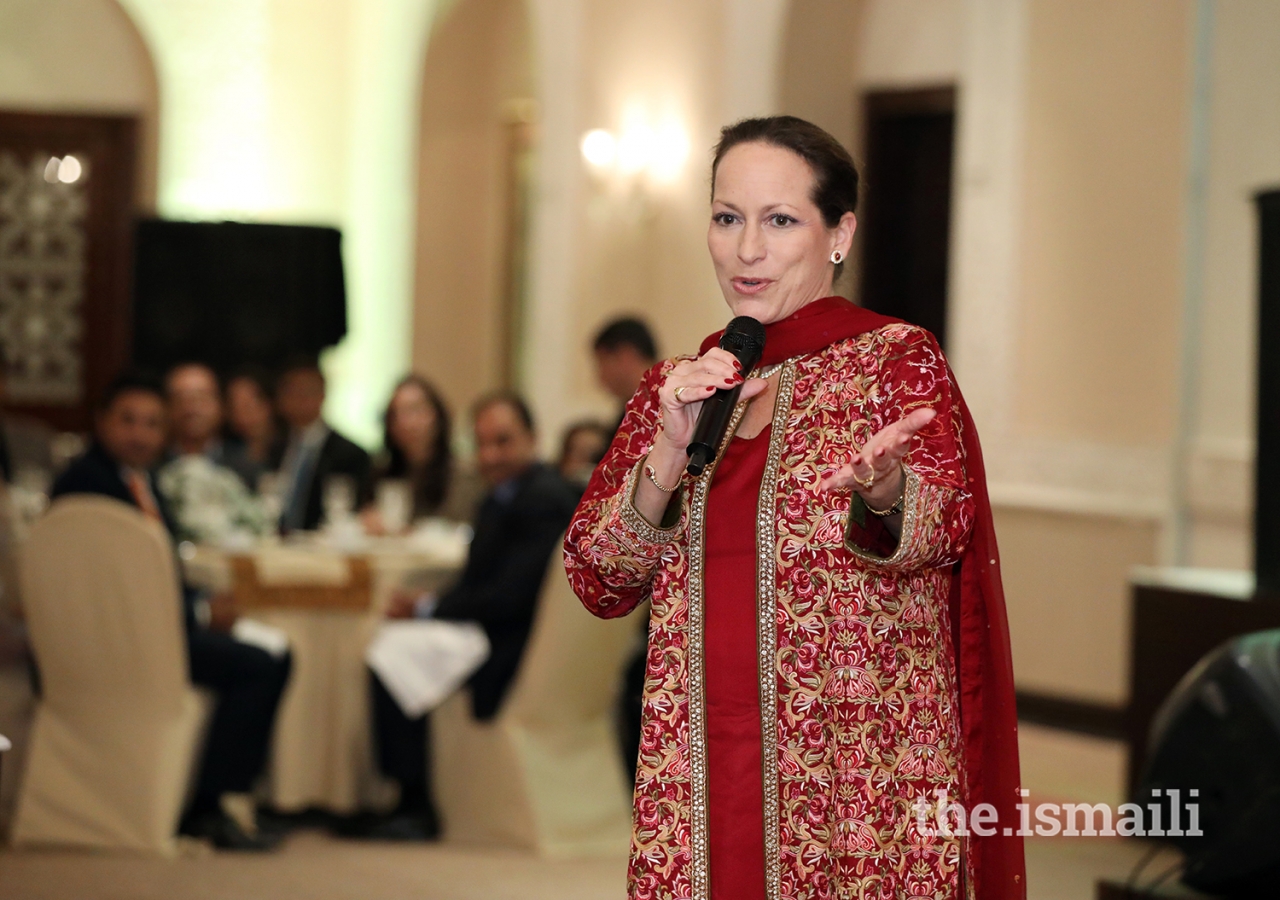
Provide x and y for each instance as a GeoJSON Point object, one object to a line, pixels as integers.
{"type": "Point", "coordinates": [627, 332]}
{"type": "Point", "coordinates": [512, 401]}
{"type": "Point", "coordinates": [835, 177]}
{"type": "Point", "coordinates": [432, 483]}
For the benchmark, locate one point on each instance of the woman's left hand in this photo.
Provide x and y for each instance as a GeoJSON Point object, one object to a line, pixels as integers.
{"type": "Point", "coordinates": [875, 471]}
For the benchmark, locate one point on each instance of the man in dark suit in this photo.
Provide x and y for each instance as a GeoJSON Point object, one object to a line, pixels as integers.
{"type": "Point", "coordinates": [517, 531]}
{"type": "Point", "coordinates": [624, 351]}
{"type": "Point", "coordinates": [129, 440]}
{"type": "Point", "coordinates": [312, 452]}
{"type": "Point", "coordinates": [195, 421]}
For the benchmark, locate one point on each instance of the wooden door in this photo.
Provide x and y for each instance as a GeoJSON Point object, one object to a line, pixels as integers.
{"type": "Point", "coordinates": [66, 219]}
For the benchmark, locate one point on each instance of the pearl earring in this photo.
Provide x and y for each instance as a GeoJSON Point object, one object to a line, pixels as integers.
{"type": "Point", "coordinates": [836, 256]}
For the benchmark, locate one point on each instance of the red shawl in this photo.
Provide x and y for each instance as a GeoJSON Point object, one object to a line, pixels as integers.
{"type": "Point", "coordinates": [985, 666]}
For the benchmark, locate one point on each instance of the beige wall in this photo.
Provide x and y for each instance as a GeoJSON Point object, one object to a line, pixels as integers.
{"type": "Point", "coordinates": [822, 44]}
{"type": "Point", "coordinates": [1066, 586]}
{"type": "Point", "coordinates": [1107, 92]}
{"type": "Point", "coordinates": [1244, 157]}
{"type": "Point", "coordinates": [1094, 406]}
{"type": "Point", "coordinates": [904, 43]}
{"type": "Point", "coordinates": [477, 63]}
{"type": "Point", "coordinates": [81, 56]}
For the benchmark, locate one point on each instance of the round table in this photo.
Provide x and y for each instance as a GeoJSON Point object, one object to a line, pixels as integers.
{"type": "Point", "coordinates": [328, 598]}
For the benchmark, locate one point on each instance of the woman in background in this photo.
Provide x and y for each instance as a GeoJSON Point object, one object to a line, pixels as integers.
{"type": "Point", "coordinates": [252, 425]}
{"type": "Point", "coordinates": [581, 450]}
{"type": "Point", "coordinates": [418, 440]}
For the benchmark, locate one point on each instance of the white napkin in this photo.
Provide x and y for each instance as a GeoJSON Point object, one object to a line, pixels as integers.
{"type": "Point", "coordinates": [261, 635]}
{"type": "Point", "coordinates": [422, 662]}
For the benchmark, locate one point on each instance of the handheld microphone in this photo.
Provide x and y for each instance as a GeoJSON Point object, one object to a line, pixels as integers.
{"type": "Point", "coordinates": [744, 338]}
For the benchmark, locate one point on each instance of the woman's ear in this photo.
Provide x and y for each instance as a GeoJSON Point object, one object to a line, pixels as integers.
{"type": "Point", "coordinates": [844, 230]}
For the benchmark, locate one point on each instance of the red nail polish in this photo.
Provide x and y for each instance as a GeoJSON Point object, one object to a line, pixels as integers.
{"type": "Point", "coordinates": [737, 365]}
{"type": "Point", "coordinates": [730, 381]}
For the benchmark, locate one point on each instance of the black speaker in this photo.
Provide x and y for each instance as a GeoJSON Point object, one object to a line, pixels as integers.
{"type": "Point", "coordinates": [1266, 524]}
{"type": "Point", "coordinates": [228, 293]}
{"type": "Point", "coordinates": [1216, 743]}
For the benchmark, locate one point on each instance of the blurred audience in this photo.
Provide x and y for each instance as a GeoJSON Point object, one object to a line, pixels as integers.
{"type": "Point", "coordinates": [312, 453]}
{"type": "Point", "coordinates": [418, 439]}
{"type": "Point", "coordinates": [252, 428]}
{"type": "Point", "coordinates": [624, 351]}
{"type": "Point", "coordinates": [205, 481]}
{"type": "Point", "coordinates": [517, 531]}
{"type": "Point", "coordinates": [583, 447]}
{"type": "Point", "coordinates": [196, 418]}
{"type": "Point", "coordinates": [129, 440]}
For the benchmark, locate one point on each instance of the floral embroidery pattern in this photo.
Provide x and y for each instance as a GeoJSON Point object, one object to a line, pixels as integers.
{"type": "Point", "coordinates": [867, 719]}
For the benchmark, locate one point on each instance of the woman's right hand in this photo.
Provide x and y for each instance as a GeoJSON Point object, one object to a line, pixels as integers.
{"type": "Point", "coordinates": [681, 396]}
{"type": "Point", "coordinates": [690, 383]}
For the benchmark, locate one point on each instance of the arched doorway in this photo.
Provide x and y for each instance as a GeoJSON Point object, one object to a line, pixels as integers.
{"type": "Point", "coordinates": [474, 154]}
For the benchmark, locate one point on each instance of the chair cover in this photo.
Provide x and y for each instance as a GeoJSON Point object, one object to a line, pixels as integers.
{"type": "Point", "coordinates": [117, 725]}
{"type": "Point", "coordinates": [546, 774]}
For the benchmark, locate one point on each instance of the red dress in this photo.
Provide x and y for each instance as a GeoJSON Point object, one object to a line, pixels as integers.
{"type": "Point", "coordinates": [881, 669]}
{"type": "Point", "coordinates": [734, 739]}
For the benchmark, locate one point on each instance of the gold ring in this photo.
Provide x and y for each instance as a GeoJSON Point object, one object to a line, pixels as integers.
{"type": "Point", "coordinates": [866, 485]}
{"type": "Point", "coordinates": [678, 390]}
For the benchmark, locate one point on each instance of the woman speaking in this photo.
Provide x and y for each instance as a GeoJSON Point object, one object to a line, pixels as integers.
{"type": "Point", "coordinates": [828, 676]}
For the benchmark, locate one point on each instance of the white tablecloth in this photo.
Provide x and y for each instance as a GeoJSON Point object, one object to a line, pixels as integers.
{"type": "Point", "coordinates": [322, 752]}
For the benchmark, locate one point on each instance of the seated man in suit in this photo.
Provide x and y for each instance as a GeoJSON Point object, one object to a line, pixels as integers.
{"type": "Point", "coordinates": [205, 482]}
{"type": "Point", "coordinates": [517, 531]}
{"type": "Point", "coordinates": [129, 439]}
{"type": "Point", "coordinates": [312, 451]}
{"type": "Point", "coordinates": [196, 419]}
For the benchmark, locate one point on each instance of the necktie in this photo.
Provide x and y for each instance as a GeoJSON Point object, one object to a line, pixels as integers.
{"type": "Point", "coordinates": [295, 505]}
{"type": "Point", "coordinates": [142, 495]}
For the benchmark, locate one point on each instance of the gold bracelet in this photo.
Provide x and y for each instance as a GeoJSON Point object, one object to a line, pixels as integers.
{"type": "Point", "coordinates": [653, 479]}
{"type": "Point", "coordinates": [897, 506]}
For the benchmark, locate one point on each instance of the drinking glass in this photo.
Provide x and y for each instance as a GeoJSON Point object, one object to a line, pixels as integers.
{"type": "Point", "coordinates": [339, 498]}
{"type": "Point", "coordinates": [395, 504]}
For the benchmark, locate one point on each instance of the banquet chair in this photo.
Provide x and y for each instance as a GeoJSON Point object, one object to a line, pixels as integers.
{"type": "Point", "coordinates": [118, 724]}
{"type": "Point", "coordinates": [546, 774]}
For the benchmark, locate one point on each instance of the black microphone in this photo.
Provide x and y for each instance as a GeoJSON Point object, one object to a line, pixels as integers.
{"type": "Point", "coordinates": [744, 338]}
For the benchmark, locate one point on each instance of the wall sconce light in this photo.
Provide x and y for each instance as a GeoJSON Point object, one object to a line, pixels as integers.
{"type": "Point", "coordinates": [599, 148]}
{"type": "Point", "coordinates": [658, 155]}
{"type": "Point", "coordinates": [66, 169]}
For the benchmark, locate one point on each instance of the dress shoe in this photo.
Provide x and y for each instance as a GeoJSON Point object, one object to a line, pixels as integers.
{"type": "Point", "coordinates": [222, 831]}
{"type": "Point", "coordinates": [400, 825]}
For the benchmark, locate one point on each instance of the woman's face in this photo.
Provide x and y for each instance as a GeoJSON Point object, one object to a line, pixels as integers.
{"type": "Point", "coordinates": [412, 423]}
{"type": "Point", "coordinates": [248, 409]}
{"type": "Point", "coordinates": [770, 246]}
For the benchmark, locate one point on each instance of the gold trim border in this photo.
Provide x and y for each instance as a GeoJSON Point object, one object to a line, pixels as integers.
{"type": "Point", "coordinates": [767, 629]}
{"type": "Point", "coordinates": [635, 520]}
